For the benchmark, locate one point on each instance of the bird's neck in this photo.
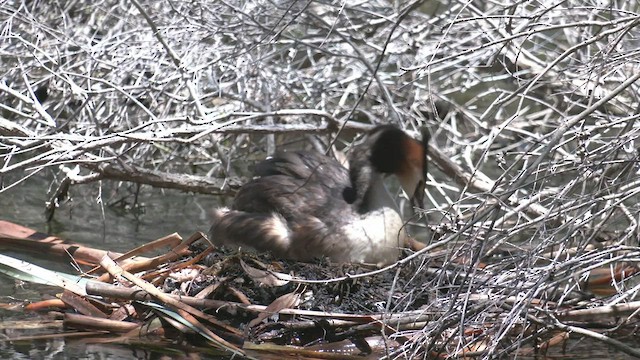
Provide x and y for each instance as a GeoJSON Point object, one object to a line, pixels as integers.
{"type": "Point", "coordinates": [367, 184]}
{"type": "Point", "coordinates": [376, 196]}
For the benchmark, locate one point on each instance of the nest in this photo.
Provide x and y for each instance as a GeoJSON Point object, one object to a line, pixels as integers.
{"type": "Point", "coordinates": [199, 298]}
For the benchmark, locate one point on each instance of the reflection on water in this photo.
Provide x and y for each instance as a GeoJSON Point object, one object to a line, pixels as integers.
{"type": "Point", "coordinates": [118, 228]}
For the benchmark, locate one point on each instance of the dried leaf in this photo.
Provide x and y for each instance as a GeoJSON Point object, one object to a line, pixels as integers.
{"type": "Point", "coordinates": [285, 301]}
{"type": "Point", "coordinates": [266, 277]}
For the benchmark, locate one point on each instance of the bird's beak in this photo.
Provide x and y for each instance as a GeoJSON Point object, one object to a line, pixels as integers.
{"type": "Point", "coordinates": [418, 196]}
{"type": "Point", "coordinates": [417, 200]}
{"type": "Point", "coordinates": [413, 184]}
{"type": "Point", "coordinates": [413, 172]}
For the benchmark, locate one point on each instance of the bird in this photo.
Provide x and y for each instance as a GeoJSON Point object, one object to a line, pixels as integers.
{"type": "Point", "coordinates": [302, 205]}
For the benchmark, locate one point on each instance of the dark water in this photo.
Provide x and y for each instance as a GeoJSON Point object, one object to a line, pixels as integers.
{"type": "Point", "coordinates": [128, 222]}
{"type": "Point", "coordinates": [122, 227]}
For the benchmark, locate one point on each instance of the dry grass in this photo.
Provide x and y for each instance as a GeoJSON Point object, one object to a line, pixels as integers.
{"type": "Point", "coordinates": [536, 103]}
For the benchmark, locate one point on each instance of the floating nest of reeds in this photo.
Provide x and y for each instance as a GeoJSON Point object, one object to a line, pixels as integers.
{"type": "Point", "coordinates": [200, 298]}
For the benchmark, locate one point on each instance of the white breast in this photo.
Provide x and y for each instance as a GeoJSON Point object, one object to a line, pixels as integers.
{"type": "Point", "coordinates": [376, 237]}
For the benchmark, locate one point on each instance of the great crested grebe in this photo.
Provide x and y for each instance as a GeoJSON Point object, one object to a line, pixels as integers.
{"type": "Point", "coordinates": [302, 205]}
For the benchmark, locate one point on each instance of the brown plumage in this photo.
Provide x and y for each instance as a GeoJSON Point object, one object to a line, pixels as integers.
{"type": "Point", "coordinates": [302, 205]}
